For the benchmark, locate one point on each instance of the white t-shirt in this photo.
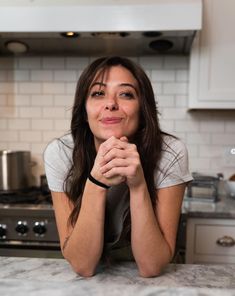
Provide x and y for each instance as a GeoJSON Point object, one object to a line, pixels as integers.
{"type": "Point", "coordinates": [173, 165]}
{"type": "Point", "coordinates": [173, 170]}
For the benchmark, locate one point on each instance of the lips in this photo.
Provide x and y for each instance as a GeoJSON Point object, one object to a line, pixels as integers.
{"type": "Point", "coordinates": [111, 120]}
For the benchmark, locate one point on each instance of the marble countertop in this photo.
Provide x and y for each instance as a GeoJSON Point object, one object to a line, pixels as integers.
{"type": "Point", "coordinates": [40, 276]}
{"type": "Point", "coordinates": [224, 208]}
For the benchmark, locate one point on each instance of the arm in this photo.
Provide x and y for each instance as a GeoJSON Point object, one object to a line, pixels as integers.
{"type": "Point", "coordinates": [82, 245]}
{"type": "Point", "coordinates": [154, 231]}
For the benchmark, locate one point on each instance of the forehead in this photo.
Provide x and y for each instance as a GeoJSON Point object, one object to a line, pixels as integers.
{"type": "Point", "coordinates": [115, 73]}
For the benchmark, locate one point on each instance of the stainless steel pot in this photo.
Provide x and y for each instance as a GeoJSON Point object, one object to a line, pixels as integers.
{"type": "Point", "coordinates": [15, 170]}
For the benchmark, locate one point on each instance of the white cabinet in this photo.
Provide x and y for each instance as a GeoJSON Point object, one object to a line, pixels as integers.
{"type": "Point", "coordinates": [212, 59]}
{"type": "Point", "coordinates": [210, 240]}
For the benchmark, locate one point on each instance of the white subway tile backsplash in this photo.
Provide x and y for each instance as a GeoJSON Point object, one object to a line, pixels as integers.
{"type": "Point", "coordinates": [7, 63]}
{"type": "Point", "coordinates": [19, 124]}
{"type": "Point", "coordinates": [9, 136]}
{"type": "Point", "coordinates": [53, 63]}
{"type": "Point", "coordinates": [30, 136]}
{"type": "Point", "coordinates": [163, 75]}
{"type": "Point", "coordinates": [9, 112]}
{"type": "Point", "coordinates": [30, 112]}
{"type": "Point", "coordinates": [4, 146]}
{"type": "Point", "coordinates": [165, 101]}
{"type": "Point", "coordinates": [71, 88]}
{"type": "Point", "coordinates": [199, 138]}
{"type": "Point", "coordinates": [3, 75]}
{"type": "Point", "coordinates": [186, 126]}
{"type": "Point", "coordinates": [29, 88]}
{"type": "Point", "coordinates": [7, 87]}
{"type": "Point", "coordinates": [29, 63]}
{"type": "Point", "coordinates": [152, 62]}
{"type": "Point", "coordinates": [53, 88]}
{"type": "Point", "coordinates": [175, 88]}
{"type": "Point", "coordinates": [181, 101]}
{"type": "Point", "coordinates": [24, 146]}
{"type": "Point", "coordinates": [42, 100]}
{"type": "Point", "coordinates": [3, 124]}
{"type": "Point", "coordinates": [62, 125]}
{"type": "Point", "coordinates": [38, 148]}
{"type": "Point", "coordinates": [230, 127]}
{"type": "Point", "coordinates": [41, 75]}
{"type": "Point", "coordinates": [19, 100]}
{"type": "Point", "coordinates": [19, 75]}
{"type": "Point", "coordinates": [53, 112]}
{"type": "Point", "coordinates": [65, 75]}
{"type": "Point", "coordinates": [3, 100]}
{"type": "Point", "coordinates": [42, 124]}
{"type": "Point", "coordinates": [76, 62]}
{"type": "Point", "coordinates": [224, 139]}
{"type": "Point", "coordinates": [211, 126]}
{"type": "Point", "coordinates": [48, 136]}
{"type": "Point", "coordinates": [173, 113]}
{"type": "Point", "coordinates": [176, 62]}
{"type": "Point", "coordinates": [63, 100]}
{"type": "Point", "coordinates": [182, 75]}
{"type": "Point", "coordinates": [37, 94]}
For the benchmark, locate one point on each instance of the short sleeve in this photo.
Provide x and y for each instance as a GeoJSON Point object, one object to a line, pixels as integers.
{"type": "Point", "coordinates": [173, 167]}
{"type": "Point", "coordinates": [57, 162]}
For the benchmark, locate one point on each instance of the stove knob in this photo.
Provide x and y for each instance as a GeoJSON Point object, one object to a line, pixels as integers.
{"type": "Point", "coordinates": [22, 227]}
{"type": "Point", "coordinates": [39, 228]}
{"type": "Point", "coordinates": [3, 230]}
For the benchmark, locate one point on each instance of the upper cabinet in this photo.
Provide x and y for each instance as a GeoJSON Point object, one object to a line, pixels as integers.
{"type": "Point", "coordinates": [212, 60]}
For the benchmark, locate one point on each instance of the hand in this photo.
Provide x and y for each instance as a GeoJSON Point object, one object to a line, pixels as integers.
{"type": "Point", "coordinates": [96, 171]}
{"type": "Point", "coordinates": [121, 162]}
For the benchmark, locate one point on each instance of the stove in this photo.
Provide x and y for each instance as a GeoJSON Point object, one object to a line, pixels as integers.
{"type": "Point", "coordinates": [27, 225]}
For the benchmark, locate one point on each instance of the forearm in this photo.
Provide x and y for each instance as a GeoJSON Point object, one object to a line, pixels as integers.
{"type": "Point", "coordinates": [150, 249]}
{"type": "Point", "coordinates": [84, 246]}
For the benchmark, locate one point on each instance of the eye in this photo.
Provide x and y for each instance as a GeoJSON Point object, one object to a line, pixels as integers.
{"type": "Point", "coordinates": [127, 94]}
{"type": "Point", "coordinates": [97, 93]}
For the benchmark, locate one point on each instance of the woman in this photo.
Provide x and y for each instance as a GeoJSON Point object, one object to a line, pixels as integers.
{"type": "Point", "coordinates": [117, 180]}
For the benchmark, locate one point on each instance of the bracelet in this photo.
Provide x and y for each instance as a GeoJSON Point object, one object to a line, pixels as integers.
{"type": "Point", "coordinates": [96, 182]}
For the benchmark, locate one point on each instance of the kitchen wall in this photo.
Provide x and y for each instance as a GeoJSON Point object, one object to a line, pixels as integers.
{"type": "Point", "coordinates": [36, 96]}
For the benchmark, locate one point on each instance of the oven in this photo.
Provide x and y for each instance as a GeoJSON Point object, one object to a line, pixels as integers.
{"type": "Point", "coordinates": [27, 225]}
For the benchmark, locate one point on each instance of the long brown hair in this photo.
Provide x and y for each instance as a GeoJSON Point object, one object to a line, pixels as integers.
{"type": "Point", "coordinates": [148, 137]}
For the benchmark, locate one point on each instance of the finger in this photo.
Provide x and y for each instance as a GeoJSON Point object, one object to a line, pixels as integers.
{"type": "Point", "coordinates": [124, 139]}
{"type": "Point", "coordinates": [117, 162]}
{"type": "Point", "coordinates": [112, 143]}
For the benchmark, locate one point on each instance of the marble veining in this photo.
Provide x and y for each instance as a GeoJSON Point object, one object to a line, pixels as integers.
{"type": "Point", "coordinates": [41, 276]}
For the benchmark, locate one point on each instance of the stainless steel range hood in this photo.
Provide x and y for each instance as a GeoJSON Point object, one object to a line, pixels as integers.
{"type": "Point", "coordinates": [103, 27]}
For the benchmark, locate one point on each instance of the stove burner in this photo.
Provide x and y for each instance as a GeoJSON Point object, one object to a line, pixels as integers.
{"type": "Point", "coordinates": [29, 196]}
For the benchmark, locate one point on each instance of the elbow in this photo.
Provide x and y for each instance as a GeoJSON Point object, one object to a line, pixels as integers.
{"type": "Point", "coordinates": [81, 268]}
{"type": "Point", "coordinates": [83, 271]}
{"type": "Point", "coordinates": [148, 272]}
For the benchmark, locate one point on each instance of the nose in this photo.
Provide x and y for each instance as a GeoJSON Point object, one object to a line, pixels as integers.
{"type": "Point", "coordinates": [111, 104]}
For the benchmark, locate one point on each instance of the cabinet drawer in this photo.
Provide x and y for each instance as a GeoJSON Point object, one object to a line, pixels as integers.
{"type": "Point", "coordinates": [206, 237]}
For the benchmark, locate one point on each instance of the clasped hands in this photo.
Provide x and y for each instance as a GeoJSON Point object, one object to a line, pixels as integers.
{"type": "Point", "coordinates": [118, 161]}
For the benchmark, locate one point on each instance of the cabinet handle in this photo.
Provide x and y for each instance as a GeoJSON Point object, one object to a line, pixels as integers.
{"type": "Point", "coordinates": [226, 241]}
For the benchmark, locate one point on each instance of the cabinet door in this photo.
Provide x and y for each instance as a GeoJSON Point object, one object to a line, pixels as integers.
{"type": "Point", "coordinates": [210, 241]}
{"type": "Point", "coordinates": [212, 60]}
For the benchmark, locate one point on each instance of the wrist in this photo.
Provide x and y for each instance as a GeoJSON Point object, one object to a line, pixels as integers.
{"type": "Point", "coordinates": [96, 182]}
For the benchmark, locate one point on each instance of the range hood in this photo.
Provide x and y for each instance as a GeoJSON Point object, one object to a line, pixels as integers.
{"type": "Point", "coordinates": [137, 27]}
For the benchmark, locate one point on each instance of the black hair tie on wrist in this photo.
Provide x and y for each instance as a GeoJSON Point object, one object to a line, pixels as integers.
{"type": "Point", "coordinates": [93, 180]}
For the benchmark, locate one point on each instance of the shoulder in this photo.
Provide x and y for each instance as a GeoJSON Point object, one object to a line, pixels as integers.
{"type": "Point", "coordinates": [173, 146]}
{"type": "Point", "coordinates": [173, 166]}
{"type": "Point", "coordinates": [60, 147]}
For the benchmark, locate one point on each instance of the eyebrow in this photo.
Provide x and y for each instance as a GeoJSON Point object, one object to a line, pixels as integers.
{"type": "Point", "coordinates": [121, 84]}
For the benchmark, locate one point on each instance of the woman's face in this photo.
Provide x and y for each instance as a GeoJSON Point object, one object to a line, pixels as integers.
{"type": "Point", "coordinates": [112, 105]}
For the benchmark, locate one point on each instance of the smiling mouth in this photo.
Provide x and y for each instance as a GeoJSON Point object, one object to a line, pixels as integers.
{"type": "Point", "coordinates": [111, 120]}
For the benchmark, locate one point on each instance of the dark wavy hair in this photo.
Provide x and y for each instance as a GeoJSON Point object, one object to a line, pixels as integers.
{"type": "Point", "coordinates": [148, 137]}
